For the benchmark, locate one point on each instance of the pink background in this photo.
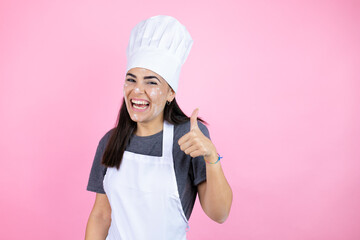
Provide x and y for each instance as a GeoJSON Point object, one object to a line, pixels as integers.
{"type": "Point", "coordinates": [278, 81]}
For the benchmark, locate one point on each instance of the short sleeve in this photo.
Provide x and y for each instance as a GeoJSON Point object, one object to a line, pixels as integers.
{"type": "Point", "coordinates": [198, 163]}
{"type": "Point", "coordinates": [97, 173]}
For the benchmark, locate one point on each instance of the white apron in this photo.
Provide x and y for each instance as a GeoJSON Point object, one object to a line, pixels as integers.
{"type": "Point", "coordinates": [144, 197]}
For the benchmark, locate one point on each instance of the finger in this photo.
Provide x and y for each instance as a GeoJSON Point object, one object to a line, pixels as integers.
{"type": "Point", "coordinates": [186, 145]}
{"type": "Point", "coordinates": [193, 119]}
{"type": "Point", "coordinates": [187, 137]}
{"type": "Point", "coordinates": [190, 149]}
{"type": "Point", "coordinates": [184, 138]}
{"type": "Point", "coordinates": [196, 153]}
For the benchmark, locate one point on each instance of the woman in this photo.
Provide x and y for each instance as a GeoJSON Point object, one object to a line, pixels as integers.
{"type": "Point", "coordinates": [149, 168]}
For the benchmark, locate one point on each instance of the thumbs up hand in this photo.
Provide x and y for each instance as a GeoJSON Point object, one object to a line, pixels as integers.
{"type": "Point", "coordinates": [195, 143]}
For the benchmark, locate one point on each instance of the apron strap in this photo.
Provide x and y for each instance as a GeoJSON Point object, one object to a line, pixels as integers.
{"type": "Point", "coordinates": [168, 136]}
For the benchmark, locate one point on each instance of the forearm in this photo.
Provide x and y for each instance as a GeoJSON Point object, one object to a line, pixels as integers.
{"type": "Point", "coordinates": [218, 194]}
{"type": "Point", "coordinates": [97, 228]}
{"type": "Point", "coordinates": [215, 193]}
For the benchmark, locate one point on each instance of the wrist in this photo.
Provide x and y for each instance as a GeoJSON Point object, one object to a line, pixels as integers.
{"type": "Point", "coordinates": [212, 159]}
{"type": "Point", "coordinates": [212, 156]}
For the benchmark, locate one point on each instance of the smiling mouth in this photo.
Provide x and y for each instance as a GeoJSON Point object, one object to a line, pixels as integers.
{"type": "Point", "coordinates": [139, 104]}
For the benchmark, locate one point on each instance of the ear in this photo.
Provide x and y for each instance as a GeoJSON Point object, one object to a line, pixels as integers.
{"type": "Point", "coordinates": [171, 95]}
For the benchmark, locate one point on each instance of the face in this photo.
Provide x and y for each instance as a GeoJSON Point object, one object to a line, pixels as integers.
{"type": "Point", "coordinates": [145, 94]}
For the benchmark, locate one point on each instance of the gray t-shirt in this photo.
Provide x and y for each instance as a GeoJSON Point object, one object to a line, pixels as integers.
{"type": "Point", "coordinates": [189, 171]}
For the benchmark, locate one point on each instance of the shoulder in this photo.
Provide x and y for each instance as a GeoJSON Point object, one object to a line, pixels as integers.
{"type": "Point", "coordinates": [105, 138]}
{"type": "Point", "coordinates": [183, 128]}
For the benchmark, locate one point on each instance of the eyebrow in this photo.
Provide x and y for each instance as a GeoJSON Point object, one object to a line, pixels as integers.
{"type": "Point", "coordinates": [146, 77]}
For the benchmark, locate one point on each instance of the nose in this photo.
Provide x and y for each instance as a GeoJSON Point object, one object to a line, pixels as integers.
{"type": "Point", "coordinates": [139, 88]}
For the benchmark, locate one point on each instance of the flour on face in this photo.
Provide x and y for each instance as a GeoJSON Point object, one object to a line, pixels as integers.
{"type": "Point", "coordinates": [135, 117]}
{"type": "Point", "coordinates": [124, 94]}
{"type": "Point", "coordinates": [154, 92]}
{"type": "Point", "coordinates": [157, 100]}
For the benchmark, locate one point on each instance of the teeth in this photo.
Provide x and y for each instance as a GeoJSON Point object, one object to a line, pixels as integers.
{"type": "Point", "coordinates": [139, 102]}
{"type": "Point", "coordinates": [140, 107]}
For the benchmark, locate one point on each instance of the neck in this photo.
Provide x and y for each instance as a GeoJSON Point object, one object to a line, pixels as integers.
{"type": "Point", "coordinates": [147, 129]}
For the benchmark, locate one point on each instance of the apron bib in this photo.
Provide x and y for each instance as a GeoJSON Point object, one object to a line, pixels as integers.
{"type": "Point", "coordinates": [144, 197]}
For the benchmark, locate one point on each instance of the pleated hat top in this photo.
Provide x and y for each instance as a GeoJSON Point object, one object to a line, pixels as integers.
{"type": "Point", "coordinates": [160, 44]}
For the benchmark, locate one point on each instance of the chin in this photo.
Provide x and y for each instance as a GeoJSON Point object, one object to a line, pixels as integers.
{"type": "Point", "coordinates": [137, 119]}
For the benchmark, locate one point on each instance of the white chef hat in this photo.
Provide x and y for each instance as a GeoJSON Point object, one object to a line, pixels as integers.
{"type": "Point", "coordinates": [161, 44]}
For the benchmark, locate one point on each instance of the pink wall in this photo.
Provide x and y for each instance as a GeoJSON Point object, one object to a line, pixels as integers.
{"type": "Point", "coordinates": [277, 80]}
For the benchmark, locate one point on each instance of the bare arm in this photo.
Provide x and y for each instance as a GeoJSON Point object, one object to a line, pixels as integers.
{"type": "Point", "coordinates": [99, 220]}
{"type": "Point", "coordinates": [215, 194]}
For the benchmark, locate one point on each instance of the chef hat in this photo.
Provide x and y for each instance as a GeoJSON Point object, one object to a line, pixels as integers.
{"type": "Point", "coordinates": [160, 44]}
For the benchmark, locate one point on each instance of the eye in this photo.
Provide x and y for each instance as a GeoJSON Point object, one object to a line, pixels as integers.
{"type": "Point", "coordinates": [152, 83]}
{"type": "Point", "coordinates": [130, 80]}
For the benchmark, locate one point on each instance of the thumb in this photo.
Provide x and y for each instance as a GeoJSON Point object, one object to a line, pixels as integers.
{"type": "Point", "coordinates": [193, 119]}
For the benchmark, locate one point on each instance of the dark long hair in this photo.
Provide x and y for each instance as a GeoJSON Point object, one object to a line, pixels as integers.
{"type": "Point", "coordinates": [125, 126]}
